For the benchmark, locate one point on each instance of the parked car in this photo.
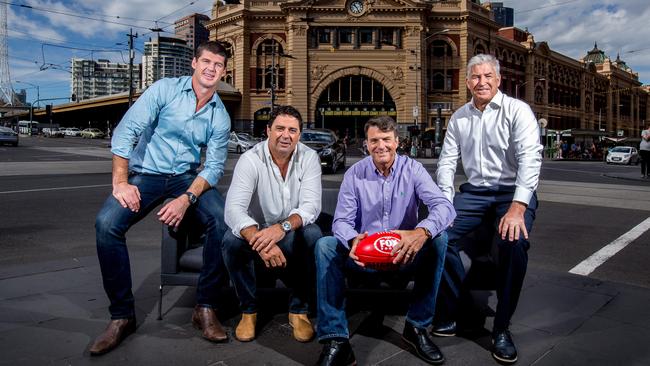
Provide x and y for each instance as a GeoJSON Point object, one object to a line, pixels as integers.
{"type": "Point", "coordinates": [330, 150]}
{"type": "Point", "coordinates": [8, 136]}
{"type": "Point", "coordinates": [622, 155]}
{"type": "Point", "coordinates": [72, 131]}
{"type": "Point", "coordinates": [92, 133]}
{"type": "Point", "coordinates": [53, 132]}
{"type": "Point", "coordinates": [240, 142]}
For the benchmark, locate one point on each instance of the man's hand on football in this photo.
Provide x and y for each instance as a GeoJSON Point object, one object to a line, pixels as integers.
{"type": "Point", "coordinates": [273, 257]}
{"type": "Point", "coordinates": [512, 224]}
{"type": "Point", "coordinates": [353, 248]}
{"type": "Point", "coordinates": [409, 246]}
{"type": "Point", "coordinates": [264, 239]}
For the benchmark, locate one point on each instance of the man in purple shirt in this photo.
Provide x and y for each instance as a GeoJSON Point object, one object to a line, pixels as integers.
{"type": "Point", "coordinates": [382, 192]}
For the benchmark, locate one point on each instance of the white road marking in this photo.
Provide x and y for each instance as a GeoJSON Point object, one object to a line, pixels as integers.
{"type": "Point", "coordinates": [55, 189]}
{"type": "Point", "coordinates": [595, 260]}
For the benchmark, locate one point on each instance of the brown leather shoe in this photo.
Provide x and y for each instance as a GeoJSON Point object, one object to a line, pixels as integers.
{"type": "Point", "coordinates": [206, 319]}
{"type": "Point", "coordinates": [115, 332]}
{"type": "Point", "coordinates": [302, 328]}
{"type": "Point", "coordinates": [245, 331]}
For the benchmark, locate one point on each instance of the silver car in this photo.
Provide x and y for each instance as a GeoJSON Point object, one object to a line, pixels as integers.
{"type": "Point", "coordinates": [240, 142]}
{"type": "Point", "coordinates": [8, 136]}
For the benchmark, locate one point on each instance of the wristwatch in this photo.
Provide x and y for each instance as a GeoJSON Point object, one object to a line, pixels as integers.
{"type": "Point", "coordinates": [286, 226]}
{"type": "Point", "coordinates": [427, 232]}
{"type": "Point", "coordinates": [193, 198]}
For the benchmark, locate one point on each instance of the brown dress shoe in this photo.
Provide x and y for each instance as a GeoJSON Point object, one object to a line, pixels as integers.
{"type": "Point", "coordinates": [245, 331]}
{"type": "Point", "coordinates": [302, 328]}
{"type": "Point", "coordinates": [115, 332]}
{"type": "Point", "coordinates": [206, 319]}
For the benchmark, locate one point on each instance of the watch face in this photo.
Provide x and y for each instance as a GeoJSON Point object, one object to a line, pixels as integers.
{"type": "Point", "coordinates": [286, 226]}
{"type": "Point", "coordinates": [356, 7]}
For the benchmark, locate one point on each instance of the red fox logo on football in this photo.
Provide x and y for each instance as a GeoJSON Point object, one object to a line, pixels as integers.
{"type": "Point", "coordinates": [385, 244]}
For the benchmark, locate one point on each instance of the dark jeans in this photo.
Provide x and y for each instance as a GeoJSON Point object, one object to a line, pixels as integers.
{"type": "Point", "coordinates": [332, 264]}
{"type": "Point", "coordinates": [645, 162]}
{"type": "Point", "coordinates": [472, 205]}
{"type": "Point", "coordinates": [113, 221]}
{"type": "Point", "coordinates": [297, 248]}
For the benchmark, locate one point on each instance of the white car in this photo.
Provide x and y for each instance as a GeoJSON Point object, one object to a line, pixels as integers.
{"type": "Point", "coordinates": [72, 131]}
{"type": "Point", "coordinates": [92, 133]}
{"type": "Point", "coordinates": [623, 155]}
{"type": "Point", "coordinates": [240, 142]}
{"type": "Point", "coordinates": [52, 132]}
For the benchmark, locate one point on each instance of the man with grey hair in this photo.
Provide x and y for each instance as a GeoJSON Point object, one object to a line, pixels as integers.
{"type": "Point", "coordinates": [498, 138]}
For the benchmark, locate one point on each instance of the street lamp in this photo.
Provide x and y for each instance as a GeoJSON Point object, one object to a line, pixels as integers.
{"type": "Point", "coordinates": [522, 84]}
{"type": "Point", "coordinates": [416, 68]}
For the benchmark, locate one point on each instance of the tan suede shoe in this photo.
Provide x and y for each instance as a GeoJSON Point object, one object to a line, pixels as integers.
{"type": "Point", "coordinates": [303, 331]}
{"type": "Point", "coordinates": [245, 331]}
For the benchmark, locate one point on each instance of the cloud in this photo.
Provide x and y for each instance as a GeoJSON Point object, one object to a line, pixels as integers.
{"type": "Point", "coordinates": [572, 27]}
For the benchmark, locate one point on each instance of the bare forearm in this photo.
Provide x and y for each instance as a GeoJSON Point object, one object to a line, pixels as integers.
{"type": "Point", "coordinates": [120, 170]}
{"type": "Point", "coordinates": [198, 186]}
{"type": "Point", "coordinates": [296, 221]}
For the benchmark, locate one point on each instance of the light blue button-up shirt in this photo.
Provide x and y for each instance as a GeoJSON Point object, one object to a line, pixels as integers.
{"type": "Point", "coordinates": [162, 133]}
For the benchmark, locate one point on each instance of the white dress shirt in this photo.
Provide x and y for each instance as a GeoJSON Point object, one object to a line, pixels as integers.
{"type": "Point", "coordinates": [499, 147]}
{"type": "Point", "coordinates": [276, 198]}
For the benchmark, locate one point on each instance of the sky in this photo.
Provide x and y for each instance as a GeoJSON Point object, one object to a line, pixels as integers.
{"type": "Point", "coordinates": [44, 38]}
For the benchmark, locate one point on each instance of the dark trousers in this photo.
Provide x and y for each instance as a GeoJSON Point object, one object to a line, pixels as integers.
{"type": "Point", "coordinates": [297, 248]}
{"type": "Point", "coordinates": [113, 221]}
{"type": "Point", "coordinates": [473, 205]}
{"type": "Point", "coordinates": [645, 162]}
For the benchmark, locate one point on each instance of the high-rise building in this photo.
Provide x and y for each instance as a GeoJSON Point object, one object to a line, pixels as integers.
{"type": "Point", "coordinates": [165, 57]}
{"type": "Point", "coordinates": [192, 29]}
{"type": "Point", "coordinates": [92, 78]}
{"type": "Point", "coordinates": [503, 14]}
{"type": "Point", "coordinates": [22, 96]}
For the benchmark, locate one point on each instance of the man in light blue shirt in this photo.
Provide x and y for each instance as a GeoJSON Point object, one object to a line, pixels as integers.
{"type": "Point", "coordinates": [498, 139]}
{"type": "Point", "coordinates": [156, 153]}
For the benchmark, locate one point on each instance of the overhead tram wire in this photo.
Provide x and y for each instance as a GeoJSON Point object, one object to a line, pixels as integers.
{"type": "Point", "coordinates": [75, 15]}
{"type": "Point", "coordinates": [546, 6]}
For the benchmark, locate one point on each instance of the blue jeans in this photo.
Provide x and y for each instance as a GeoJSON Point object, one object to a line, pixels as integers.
{"type": "Point", "coordinates": [113, 221]}
{"type": "Point", "coordinates": [473, 205]}
{"type": "Point", "coordinates": [332, 264]}
{"type": "Point", "coordinates": [297, 247]}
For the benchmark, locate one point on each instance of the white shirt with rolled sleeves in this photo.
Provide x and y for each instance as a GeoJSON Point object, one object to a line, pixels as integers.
{"type": "Point", "coordinates": [257, 175]}
{"type": "Point", "coordinates": [499, 147]}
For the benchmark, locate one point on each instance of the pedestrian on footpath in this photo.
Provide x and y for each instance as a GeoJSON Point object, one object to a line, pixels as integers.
{"type": "Point", "coordinates": [644, 150]}
{"type": "Point", "coordinates": [498, 139]}
{"type": "Point", "coordinates": [156, 153]}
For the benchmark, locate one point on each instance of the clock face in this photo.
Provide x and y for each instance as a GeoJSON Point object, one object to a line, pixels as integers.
{"type": "Point", "coordinates": [356, 7]}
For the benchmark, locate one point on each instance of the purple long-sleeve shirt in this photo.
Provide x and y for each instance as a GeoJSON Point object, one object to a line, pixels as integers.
{"type": "Point", "coordinates": [370, 202]}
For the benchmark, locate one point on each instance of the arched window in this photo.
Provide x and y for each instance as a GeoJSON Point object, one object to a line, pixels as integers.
{"type": "Point", "coordinates": [438, 81]}
{"type": "Point", "coordinates": [440, 48]}
{"type": "Point", "coordinates": [479, 49]}
{"type": "Point", "coordinates": [270, 65]}
{"type": "Point", "coordinates": [229, 76]}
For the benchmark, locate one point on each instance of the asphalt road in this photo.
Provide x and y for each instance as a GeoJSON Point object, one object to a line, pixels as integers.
{"type": "Point", "coordinates": [48, 202]}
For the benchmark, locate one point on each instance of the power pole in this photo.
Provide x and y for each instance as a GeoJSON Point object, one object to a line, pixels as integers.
{"type": "Point", "coordinates": [7, 95]}
{"type": "Point", "coordinates": [131, 55]}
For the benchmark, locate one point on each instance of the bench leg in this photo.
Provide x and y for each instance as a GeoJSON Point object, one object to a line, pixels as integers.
{"type": "Point", "coordinates": [160, 290]}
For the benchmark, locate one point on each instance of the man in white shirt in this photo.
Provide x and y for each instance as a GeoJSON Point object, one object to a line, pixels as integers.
{"type": "Point", "coordinates": [283, 178]}
{"type": "Point", "coordinates": [498, 139]}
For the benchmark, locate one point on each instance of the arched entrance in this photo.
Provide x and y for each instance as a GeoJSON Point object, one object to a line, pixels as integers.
{"type": "Point", "coordinates": [348, 102]}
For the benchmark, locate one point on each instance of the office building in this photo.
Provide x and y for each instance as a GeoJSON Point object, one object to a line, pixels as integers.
{"type": "Point", "coordinates": [165, 57]}
{"type": "Point", "coordinates": [92, 78]}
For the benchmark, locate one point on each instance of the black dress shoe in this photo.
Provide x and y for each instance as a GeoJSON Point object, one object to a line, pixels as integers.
{"type": "Point", "coordinates": [444, 329]}
{"type": "Point", "coordinates": [424, 347]}
{"type": "Point", "coordinates": [336, 353]}
{"type": "Point", "coordinates": [503, 348]}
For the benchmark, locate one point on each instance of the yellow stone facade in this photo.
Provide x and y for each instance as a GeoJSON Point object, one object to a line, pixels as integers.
{"type": "Point", "coordinates": [341, 61]}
